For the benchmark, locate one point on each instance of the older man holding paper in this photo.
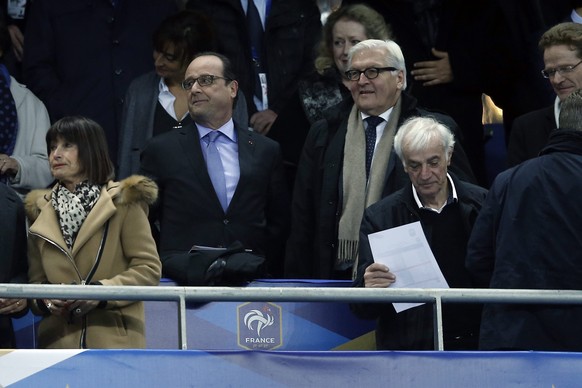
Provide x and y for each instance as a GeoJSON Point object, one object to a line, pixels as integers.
{"type": "Point", "coordinates": [446, 209]}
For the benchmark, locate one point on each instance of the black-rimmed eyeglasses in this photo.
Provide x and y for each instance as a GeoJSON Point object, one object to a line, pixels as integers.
{"type": "Point", "coordinates": [560, 70]}
{"type": "Point", "coordinates": [203, 80]}
{"type": "Point", "coordinates": [370, 72]}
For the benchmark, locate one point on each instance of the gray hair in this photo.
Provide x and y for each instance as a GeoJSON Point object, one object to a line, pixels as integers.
{"type": "Point", "coordinates": [394, 56]}
{"type": "Point", "coordinates": [418, 132]}
{"type": "Point", "coordinates": [571, 111]}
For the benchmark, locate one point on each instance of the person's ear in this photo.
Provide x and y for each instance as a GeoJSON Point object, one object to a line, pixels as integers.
{"type": "Point", "coordinates": [400, 83]}
{"type": "Point", "coordinates": [233, 88]}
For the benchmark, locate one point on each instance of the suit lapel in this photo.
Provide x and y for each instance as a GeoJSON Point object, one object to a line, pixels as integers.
{"type": "Point", "coordinates": [7, 211]}
{"type": "Point", "coordinates": [246, 151]}
{"type": "Point", "coordinates": [551, 118]}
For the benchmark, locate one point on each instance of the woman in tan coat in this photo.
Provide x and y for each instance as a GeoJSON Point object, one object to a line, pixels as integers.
{"type": "Point", "coordinates": [89, 229]}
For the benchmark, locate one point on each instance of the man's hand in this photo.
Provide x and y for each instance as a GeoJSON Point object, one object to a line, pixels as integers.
{"type": "Point", "coordinates": [378, 276]}
{"type": "Point", "coordinates": [8, 165]}
{"type": "Point", "coordinates": [262, 121]}
{"type": "Point", "coordinates": [434, 72]}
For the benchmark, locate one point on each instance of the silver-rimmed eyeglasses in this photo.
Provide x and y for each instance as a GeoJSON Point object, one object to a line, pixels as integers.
{"type": "Point", "coordinates": [370, 72]}
{"type": "Point", "coordinates": [560, 70]}
{"type": "Point", "coordinates": [203, 80]}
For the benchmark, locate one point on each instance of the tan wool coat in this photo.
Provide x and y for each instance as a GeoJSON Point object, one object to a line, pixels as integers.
{"type": "Point", "coordinates": [129, 258]}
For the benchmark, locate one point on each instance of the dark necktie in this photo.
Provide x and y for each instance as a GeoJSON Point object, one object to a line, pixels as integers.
{"type": "Point", "coordinates": [256, 38]}
{"type": "Point", "coordinates": [215, 168]}
{"type": "Point", "coordinates": [373, 122]}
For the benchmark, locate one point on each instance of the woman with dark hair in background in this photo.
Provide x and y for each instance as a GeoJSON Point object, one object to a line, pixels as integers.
{"type": "Point", "coordinates": [89, 229]}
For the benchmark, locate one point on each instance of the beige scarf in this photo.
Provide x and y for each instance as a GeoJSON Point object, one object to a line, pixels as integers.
{"type": "Point", "coordinates": [357, 193]}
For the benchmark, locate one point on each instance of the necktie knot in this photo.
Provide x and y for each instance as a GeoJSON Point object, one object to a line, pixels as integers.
{"type": "Point", "coordinates": [373, 121]}
{"type": "Point", "coordinates": [212, 136]}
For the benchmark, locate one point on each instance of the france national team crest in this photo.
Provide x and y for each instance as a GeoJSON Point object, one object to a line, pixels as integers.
{"type": "Point", "coordinates": [259, 326]}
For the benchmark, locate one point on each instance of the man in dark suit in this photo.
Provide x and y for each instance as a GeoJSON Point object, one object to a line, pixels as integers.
{"type": "Point", "coordinates": [562, 49]}
{"type": "Point", "coordinates": [80, 56]}
{"type": "Point", "coordinates": [251, 205]}
{"type": "Point", "coordinates": [527, 235]}
{"type": "Point", "coordinates": [287, 33]}
{"type": "Point", "coordinates": [13, 263]}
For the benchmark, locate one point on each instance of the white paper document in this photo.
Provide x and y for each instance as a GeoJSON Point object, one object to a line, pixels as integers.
{"type": "Point", "coordinates": [406, 252]}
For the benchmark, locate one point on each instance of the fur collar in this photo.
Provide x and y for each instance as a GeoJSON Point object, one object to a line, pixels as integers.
{"type": "Point", "coordinates": [135, 188]}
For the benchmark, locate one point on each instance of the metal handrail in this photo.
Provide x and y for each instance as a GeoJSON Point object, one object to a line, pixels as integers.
{"type": "Point", "coordinates": [292, 294]}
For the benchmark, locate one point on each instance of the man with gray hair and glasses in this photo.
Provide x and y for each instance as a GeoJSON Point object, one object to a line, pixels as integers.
{"type": "Point", "coordinates": [527, 236]}
{"type": "Point", "coordinates": [348, 164]}
{"type": "Point", "coordinates": [562, 50]}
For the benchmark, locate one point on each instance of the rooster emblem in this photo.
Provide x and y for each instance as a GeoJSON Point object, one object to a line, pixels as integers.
{"type": "Point", "coordinates": [258, 319]}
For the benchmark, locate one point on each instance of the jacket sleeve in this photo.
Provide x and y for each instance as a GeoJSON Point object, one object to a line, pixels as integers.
{"type": "Point", "coordinates": [516, 152]}
{"type": "Point", "coordinates": [139, 248]}
{"type": "Point", "coordinates": [480, 260]}
{"type": "Point", "coordinates": [19, 264]}
{"type": "Point", "coordinates": [308, 14]}
{"type": "Point", "coordinates": [365, 259]}
{"type": "Point", "coordinates": [137, 122]}
{"type": "Point", "coordinates": [40, 60]}
{"type": "Point", "coordinates": [300, 252]}
{"type": "Point", "coordinates": [277, 215]}
{"type": "Point", "coordinates": [460, 164]}
{"type": "Point", "coordinates": [33, 121]}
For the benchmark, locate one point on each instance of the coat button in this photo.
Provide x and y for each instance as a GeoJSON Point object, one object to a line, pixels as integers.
{"type": "Point", "coordinates": [225, 221]}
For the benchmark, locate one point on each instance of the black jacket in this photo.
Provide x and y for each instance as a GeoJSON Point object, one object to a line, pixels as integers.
{"type": "Point", "coordinates": [189, 212]}
{"type": "Point", "coordinates": [528, 236]}
{"type": "Point", "coordinates": [413, 329]}
{"type": "Point", "coordinates": [13, 262]}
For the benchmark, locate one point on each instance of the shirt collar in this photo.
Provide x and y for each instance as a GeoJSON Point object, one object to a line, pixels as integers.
{"type": "Point", "coordinates": [385, 115]}
{"type": "Point", "coordinates": [452, 196]}
{"type": "Point", "coordinates": [227, 129]}
{"type": "Point", "coordinates": [557, 107]}
{"type": "Point", "coordinates": [575, 17]}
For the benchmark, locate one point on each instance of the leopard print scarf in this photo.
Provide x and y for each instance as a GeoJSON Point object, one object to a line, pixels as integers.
{"type": "Point", "coordinates": [72, 207]}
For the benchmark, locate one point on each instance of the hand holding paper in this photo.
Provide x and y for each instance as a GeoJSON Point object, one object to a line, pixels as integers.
{"type": "Point", "coordinates": [405, 251]}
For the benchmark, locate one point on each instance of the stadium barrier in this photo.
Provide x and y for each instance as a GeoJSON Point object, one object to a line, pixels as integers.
{"type": "Point", "coordinates": [184, 295]}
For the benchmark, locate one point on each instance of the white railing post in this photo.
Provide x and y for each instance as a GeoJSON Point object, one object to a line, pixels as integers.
{"type": "Point", "coordinates": [182, 334]}
{"type": "Point", "coordinates": [439, 343]}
